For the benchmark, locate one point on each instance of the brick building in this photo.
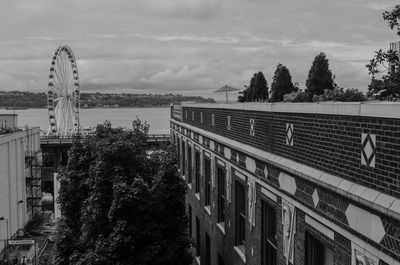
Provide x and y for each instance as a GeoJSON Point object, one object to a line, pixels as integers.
{"type": "Point", "coordinates": [314, 184]}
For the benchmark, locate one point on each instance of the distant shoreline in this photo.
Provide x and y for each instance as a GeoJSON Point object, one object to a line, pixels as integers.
{"type": "Point", "coordinates": [126, 107]}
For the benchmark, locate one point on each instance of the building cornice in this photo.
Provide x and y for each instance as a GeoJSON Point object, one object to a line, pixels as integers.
{"type": "Point", "coordinates": [367, 109]}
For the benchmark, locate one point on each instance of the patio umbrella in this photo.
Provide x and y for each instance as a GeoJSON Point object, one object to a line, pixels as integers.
{"type": "Point", "coordinates": [225, 89]}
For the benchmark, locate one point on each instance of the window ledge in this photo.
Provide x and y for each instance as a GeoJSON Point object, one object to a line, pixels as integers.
{"type": "Point", "coordinates": [221, 226]}
{"type": "Point", "coordinates": [240, 252]}
{"type": "Point", "coordinates": [197, 196]}
{"type": "Point", "coordinates": [190, 186]}
{"type": "Point", "coordinates": [197, 260]}
{"type": "Point", "coordinates": [207, 208]}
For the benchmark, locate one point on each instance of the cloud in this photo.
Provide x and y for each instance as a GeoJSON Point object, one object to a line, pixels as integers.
{"type": "Point", "coordinates": [369, 4]}
{"type": "Point", "coordinates": [195, 9]}
{"type": "Point", "coordinates": [187, 46]}
{"type": "Point", "coordinates": [222, 39]}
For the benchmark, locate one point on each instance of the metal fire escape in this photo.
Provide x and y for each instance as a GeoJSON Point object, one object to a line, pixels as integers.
{"type": "Point", "coordinates": [33, 179]}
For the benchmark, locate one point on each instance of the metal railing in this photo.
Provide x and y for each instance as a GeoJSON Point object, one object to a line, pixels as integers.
{"type": "Point", "coordinates": [159, 138]}
{"type": "Point", "coordinates": [151, 138]}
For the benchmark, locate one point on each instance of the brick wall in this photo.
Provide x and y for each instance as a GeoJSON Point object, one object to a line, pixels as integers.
{"type": "Point", "coordinates": [331, 143]}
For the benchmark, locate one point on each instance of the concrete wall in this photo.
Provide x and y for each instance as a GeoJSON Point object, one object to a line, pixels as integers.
{"type": "Point", "coordinates": [13, 204]}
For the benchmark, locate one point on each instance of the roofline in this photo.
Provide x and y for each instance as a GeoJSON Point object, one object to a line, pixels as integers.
{"type": "Point", "coordinates": [368, 109]}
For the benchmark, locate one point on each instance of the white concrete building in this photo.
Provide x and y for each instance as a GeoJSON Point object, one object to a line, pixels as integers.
{"type": "Point", "coordinates": [18, 148]}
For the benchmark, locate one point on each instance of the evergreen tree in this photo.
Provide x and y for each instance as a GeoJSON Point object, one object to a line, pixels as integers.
{"type": "Point", "coordinates": [319, 76]}
{"type": "Point", "coordinates": [281, 83]}
{"type": "Point", "coordinates": [251, 95]}
{"type": "Point", "coordinates": [119, 205]}
{"type": "Point", "coordinates": [256, 91]}
{"type": "Point", "coordinates": [388, 63]}
{"type": "Point", "coordinates": [261, 87]}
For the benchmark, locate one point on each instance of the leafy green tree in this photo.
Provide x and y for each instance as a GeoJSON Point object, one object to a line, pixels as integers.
{"type": "Point", "coordinates": [296, 96]}
{"type": "Point", "coordinates": [251, 95]}
{"type": "Point", "coordinates": [119, 204]}
{"type": "Point", "coordinates": [386, 63]}
{"type": "Point", "coordinates": [319, 76]}
{"type": "Point", "coordinates": [339, 94]}
{"type": "Point", "coordinates": [281, 83]}
{"type": "Point", "coordinates": [242, 96]}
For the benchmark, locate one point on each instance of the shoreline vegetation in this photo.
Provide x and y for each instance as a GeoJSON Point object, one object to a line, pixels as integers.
{"type": "Point", "coordinates": [28, 100]}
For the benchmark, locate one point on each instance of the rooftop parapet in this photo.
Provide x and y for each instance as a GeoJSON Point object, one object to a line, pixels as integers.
{"type": "Point", "coordinates": [366, 108]}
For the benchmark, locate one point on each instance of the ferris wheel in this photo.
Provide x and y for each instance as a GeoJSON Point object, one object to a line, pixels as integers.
{"type": "Point", "coordinates": [63, 93]}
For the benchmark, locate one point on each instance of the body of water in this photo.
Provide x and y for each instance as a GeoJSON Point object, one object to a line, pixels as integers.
{"type": "Point", "coordinates": [158, 118]}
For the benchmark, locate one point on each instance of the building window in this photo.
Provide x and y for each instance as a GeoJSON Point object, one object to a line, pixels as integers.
{"type": "Point", "coordinates": [197, 176]}
{"type": "Point", "coordinates": [179, 152]}
{"type": "Point", "coordinates": [183, 157]}
{"type": "Point", "coordinates": [189, 159]}
{"type": "Point", "coordinates": [212, 119]}
{"type": "Point", "coordinates": [221, 194]}
{"type": "Point", "coordinates": [317, 253]}
{"type": "Point", "coordinates": [240, 212]}
{"type": "Point", "coordinates": [190, 220]}
{"type": "Point", "coordinates": [197, 237]}
{"type": "Point", "coordinates": [220, 260]}
{"type": "Point", "coordinates": [208, 250]}
{"type": "Point", "coordinates": [207, 177]}
{"type": "Point", "coordinates": [268, 233]}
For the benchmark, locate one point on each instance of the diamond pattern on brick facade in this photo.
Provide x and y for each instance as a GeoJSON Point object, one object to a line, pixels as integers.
{"type": "Point", "coordinates": [250, 164]}
{"type": "Point", "coordinates": [289, 134]}
{"type": "Point", "coordinates": [228, 120]}
{"type": "Point", "coordinates": [266, 172]}
{"type": "Point", "coordinates": [252, 129]}
{"type": "Point", "coordinates": [287, 183]}
{"type": "Point", "coordinates": [201, 117]}
{"type": "Point", "coordinates": [315, 198]}
{"type": "Point", "coordinates": [212, 145]}
{"type": "Point", "coordinates": [227, 153]}
{"type": "Point", "coordinates": [213, 119]}
{"type": "Point", "coordinates": [368, 149]}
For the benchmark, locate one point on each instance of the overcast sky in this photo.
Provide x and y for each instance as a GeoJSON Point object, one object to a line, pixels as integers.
{"type": "Point", "coordinates": [188, 46]}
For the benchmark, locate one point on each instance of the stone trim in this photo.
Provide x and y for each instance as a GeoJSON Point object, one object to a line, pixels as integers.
{"type": "Point", "coordinates": [368, 109]}
{"type": "Point", "coordinates": [320, 227]}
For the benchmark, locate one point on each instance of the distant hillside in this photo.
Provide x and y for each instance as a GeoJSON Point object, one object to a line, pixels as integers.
{"type": "Point", "coordinates": [20, 99]}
